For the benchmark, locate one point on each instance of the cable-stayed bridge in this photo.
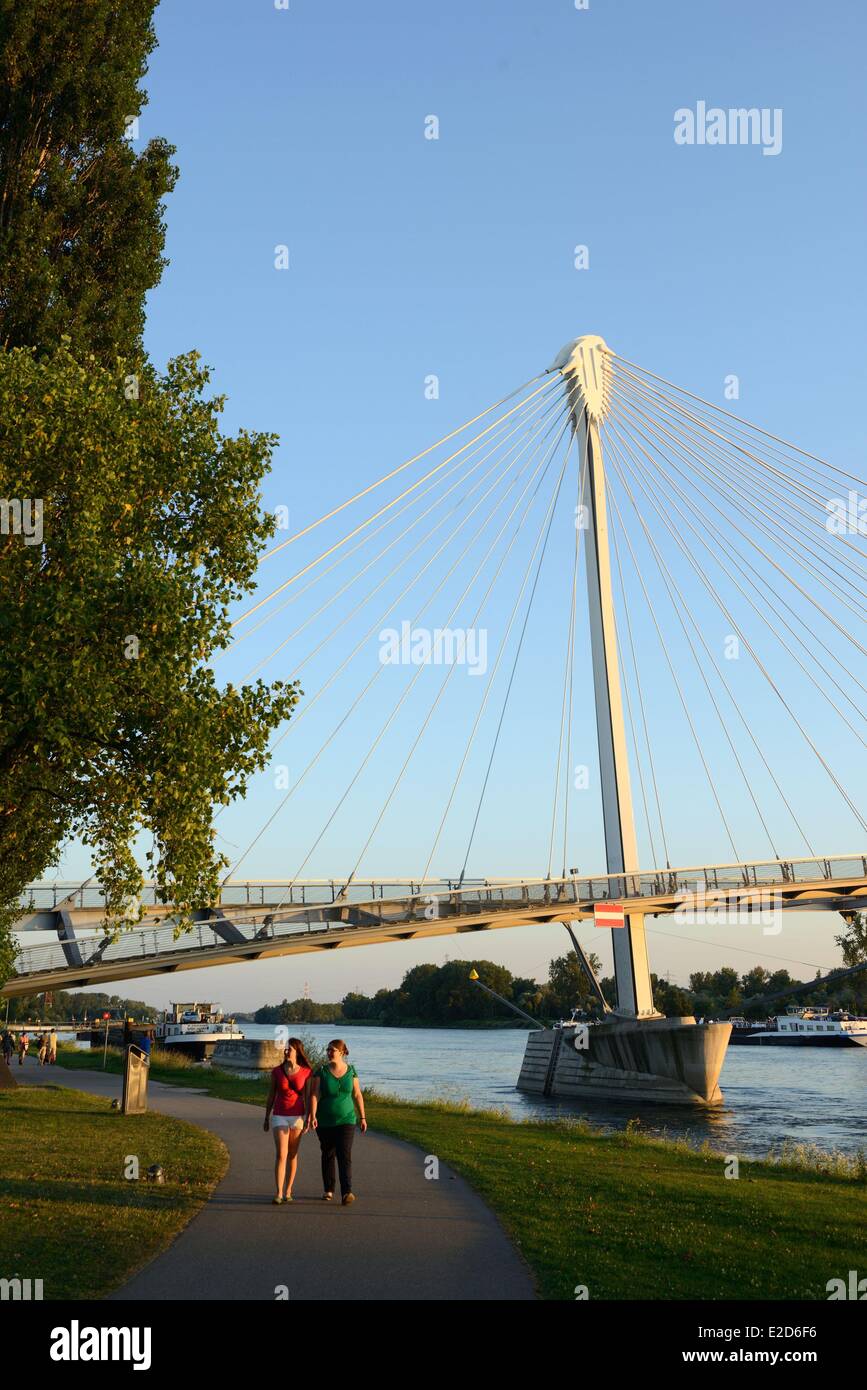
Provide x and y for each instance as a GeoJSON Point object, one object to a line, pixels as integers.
{"type": "Point", "coordinates": [714, 655]}
{"type": "Point", "coordinates": [251, 923]}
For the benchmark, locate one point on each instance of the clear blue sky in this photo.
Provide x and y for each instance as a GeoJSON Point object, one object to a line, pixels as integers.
{"type": "Point", "coordinates": [411, 256]}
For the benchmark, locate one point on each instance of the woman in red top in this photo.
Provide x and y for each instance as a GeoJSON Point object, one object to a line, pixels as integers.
{"type": "Point", "coordinates": [289, 1100]}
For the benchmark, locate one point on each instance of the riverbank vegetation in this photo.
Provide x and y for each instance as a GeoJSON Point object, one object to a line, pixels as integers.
{"type": "Point", "coordinates": [623, 1214]}
{"type": "Point", "coordinates": [64, 1006]}
{"type": "Point", "coordinates": [432, 996]}
{"type": "Point", "coordinates": [69, 1215]}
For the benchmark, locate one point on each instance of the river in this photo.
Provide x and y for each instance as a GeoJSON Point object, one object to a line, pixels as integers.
{"type": "Point", "coordinates": [806, 1095]}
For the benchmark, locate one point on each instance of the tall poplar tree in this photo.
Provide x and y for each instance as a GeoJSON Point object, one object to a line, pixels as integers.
{"type": "Point", "coordinates": [128, 521]}
{"type": "Point", "coordinates": [81, 224]}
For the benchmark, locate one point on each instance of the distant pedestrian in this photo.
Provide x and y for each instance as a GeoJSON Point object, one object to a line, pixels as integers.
{"type": "Point", "coordinates": [42, 1046]}
{"type": "Point", "coordinates": [52, 1047]}
{"type": "Point", "coordinates": [23, 1044]}
{"type": "Point", "coordinates": [289, 1100]}
{"type": "Point", "coordinates": [8, 1047]}
{"type": "Point", "coordinates": [336, 1103]}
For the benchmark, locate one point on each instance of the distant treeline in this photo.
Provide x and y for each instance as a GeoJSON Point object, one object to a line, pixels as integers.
{"type": "Point", "coordinates": [61, 1006]}
{"type": "Point", "coordinates": [299, 1011]}
{"type": "Point", "coordinates": [438, 995]}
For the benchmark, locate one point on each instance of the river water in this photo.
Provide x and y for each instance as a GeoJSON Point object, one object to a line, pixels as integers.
{"type": "Point", "coordinates": [807, 1095]}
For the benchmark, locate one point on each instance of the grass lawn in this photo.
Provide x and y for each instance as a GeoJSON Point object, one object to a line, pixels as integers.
{"type": "Point", "coordinates": [624, 1215]}
{"type": "Point", "coordinates": [68, 1215]}
{"type": "Point", "coordinates": [630, 1217]}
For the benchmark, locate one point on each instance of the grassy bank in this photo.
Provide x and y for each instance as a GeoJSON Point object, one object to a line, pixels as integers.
{"type": "Point", "coordinates": [631, 1217]}
{"type": "Point", "coordinates": [625, 1215]}
{"type": "Point", "coordinates": [68, 1215]}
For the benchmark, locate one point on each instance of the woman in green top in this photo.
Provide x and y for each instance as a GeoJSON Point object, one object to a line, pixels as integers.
{"type": "Point", "coordinates": [335, 1104]}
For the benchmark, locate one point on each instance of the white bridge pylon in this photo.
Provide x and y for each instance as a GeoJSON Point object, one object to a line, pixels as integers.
{"type": "Point", "coordinates": [584, 365]}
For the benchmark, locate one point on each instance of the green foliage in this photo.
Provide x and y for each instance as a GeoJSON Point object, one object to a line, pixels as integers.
{"type": "Point", "coordinates": [670, 999]}
{"type": "Point", "coordinates": [298, 1011]}
{"type": "Point", "coordinates": [853, 940]}
{"type": "Point", "coordinates": [81, 231]}
{"type": "Point", "coordinates": [111, 720]}
{"type": "Point", "coordinates": [63, 1006]}
{"type": "Point", "coordinates": [568, 986]}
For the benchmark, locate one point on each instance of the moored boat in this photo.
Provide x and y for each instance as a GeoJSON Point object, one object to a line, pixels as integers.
{"type": "Point", "coordinates": [802, 1027]}
{"type": "Point", "coordinates": [195, 1030]}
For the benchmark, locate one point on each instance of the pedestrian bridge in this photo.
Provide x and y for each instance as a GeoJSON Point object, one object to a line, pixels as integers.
{"type": "Point", "coordinates": [257, 921]}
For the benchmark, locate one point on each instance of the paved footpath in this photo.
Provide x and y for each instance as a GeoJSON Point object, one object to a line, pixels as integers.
{"type": "Point", "coordinates": [406, 1237]}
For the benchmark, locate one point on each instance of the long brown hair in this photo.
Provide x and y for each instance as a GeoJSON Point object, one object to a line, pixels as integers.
{"type": "Point", "coordinates": [300, 1054]}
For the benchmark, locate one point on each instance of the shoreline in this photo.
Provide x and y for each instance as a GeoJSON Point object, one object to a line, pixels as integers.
{"type": "Point", "coordinates": [497, 1025]}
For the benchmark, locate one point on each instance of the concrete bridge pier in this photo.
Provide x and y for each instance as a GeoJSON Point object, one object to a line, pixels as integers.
{"type": "Point", "coordinates": [670, 1061]}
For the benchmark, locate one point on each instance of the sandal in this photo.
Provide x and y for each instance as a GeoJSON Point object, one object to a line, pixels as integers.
{"type": "Point", "coordinates": [277, 1201]}
{"type": "Point", "coordinates": [327, 1196]}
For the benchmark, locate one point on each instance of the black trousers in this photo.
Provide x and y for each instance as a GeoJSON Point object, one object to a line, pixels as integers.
{"type": "Point", "coordinates": [336, 1144]}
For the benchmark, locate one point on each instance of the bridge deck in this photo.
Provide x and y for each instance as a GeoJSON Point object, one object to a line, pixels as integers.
{"type": "Point", "coordinates": [235, 934]}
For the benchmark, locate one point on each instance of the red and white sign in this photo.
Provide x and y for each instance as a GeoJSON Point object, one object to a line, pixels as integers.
{"type": "Point", "coordinates": [609, 915]}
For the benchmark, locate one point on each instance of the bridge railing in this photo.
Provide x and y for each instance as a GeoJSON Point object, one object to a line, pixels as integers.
{"type": "Point", "coordinates": [482, 898]}
{"type": "Point", "coordinates": [45, 897]}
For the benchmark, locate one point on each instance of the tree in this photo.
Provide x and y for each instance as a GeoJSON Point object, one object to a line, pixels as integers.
{"type": "Point", "coordinates": [853, 940]}
{"type": "Point", "coordinates": [568, 987]}
{"type": "Point", "coordinates": [356, 1005]}
{"type": "Point", "coordinates": [111, 719]}
{"type": "Point", "coordinates": [81, 230]}
{"type": "Point", "coordinates": [670, 999]}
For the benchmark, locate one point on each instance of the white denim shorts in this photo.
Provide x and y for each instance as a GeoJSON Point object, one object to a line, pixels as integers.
{"type": "Point", "coordinates": [287, 1122]}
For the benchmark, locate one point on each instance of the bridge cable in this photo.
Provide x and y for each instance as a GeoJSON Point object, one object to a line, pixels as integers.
{"type": "Point", "coordinates": [401, 467]}
{"type": "Point", "coordinates": [503, 709]}
{"type": "Point", "coordinates": [725, 490]}
{"type": "Point", "coordinates": [770, 681]}
{"type": "Point", "coordinates": [533, 408]}
{"type": "Point", "coordinates": [571, 662]}
{"type": "Point", "coordinates": [388, 722]}
{"type": "Point", "coordinates": [471, 544]}
{"type": "Point", "coordinates": [754, 580]}
{"type": "Point", "coordinates": [565, 710]}
{"type": "Point", "coordinates": [677, 684]}
{"type": "Point", "coordinates": [647, 492]}
{"type": "Point", "coordinates": [296, 720]}
{"type": "Point", "coordinates": [778, 488]}
{"type": "Point", "coordinates": [739, 429]}
{"type": "Point", "coordinates": [376, 515]}
{"type": "Point", "coordinates": [791, 652]}
{"type": "Point", "coordinates": [754, 545]}
{"type": "Point", "coordinates": [647, 738]}
{"type": "Point", "coordinates": [670, 583]}
{"type": "Point", "coordinates": [496, 465]}
{"type": "Point", "coordinates": [616, 357]}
